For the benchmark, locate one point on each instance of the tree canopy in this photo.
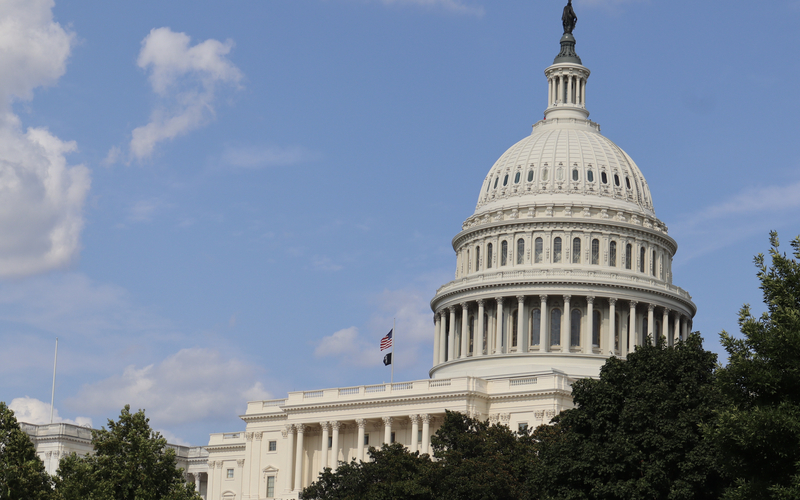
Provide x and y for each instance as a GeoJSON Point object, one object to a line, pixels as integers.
{"type": "Point", "coordinates": [22, 473]}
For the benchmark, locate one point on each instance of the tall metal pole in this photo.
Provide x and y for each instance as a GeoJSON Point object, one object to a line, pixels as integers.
{"type": "Point", "coordinates": [394, 338]}
{"type": "Point", "coordinates": [53, 394]}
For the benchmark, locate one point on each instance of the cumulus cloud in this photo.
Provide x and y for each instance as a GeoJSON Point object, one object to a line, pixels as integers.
{"type": "Point", "coordinates": [456, 6]}
{"type": "Point", "coordinates": [41, 195]}
{"type": "Point", "coordinates": [191, 385]}
{"type": "Point", "coordinates": [187, 79]}
{"type": "Point", "coordinates": [33, 411]}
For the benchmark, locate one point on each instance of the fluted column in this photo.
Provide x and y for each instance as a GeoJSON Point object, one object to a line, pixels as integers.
{"type": "Point", "coordinates": [544, 332]}
{"type": "Point", "coordinates": [426, 431]}
{"type": "Point", "coordinates": [677, 333]}
{"type": "Point", "coordinates": [361, 423]}
{"type": "Point", "coordinates": [522, 337]}
{"type": "Point", "coordinates": [612, 326]}
{"type": "Point", "coordinates": [248, 452]}
{"type": "Point", "coordinates": [414, 431]}
{"type": "Point", "coordinates": [665, 327]}
{"type": "Point", "coordinates": [684, 334]}
{"type": "Point", "coordinates": [387, 430]}
{"type": "Point", "coordinates": [632, 330]}
{"type": "Point", "coordinates": [451, 336]}
{"type": "Point", "coordinates": [651, 323]}
{"type": "Point", "coordinates": [567, 322]}
{"type": "Point", "coordinates": [570, 86]}
{"type": "Point", "coordinates": [498, 336]}
{"type": "Point", "coordinates": [588, 335]}
{"type": "Point", "coordinates": [464, 330]}
{"type": "Point", "coordinates": [298, 459]}
{"type": "Point", "coordinates": [479, 340]}
{"type": "Point", "coordinates": [443, 336]}
{"type": "Point", "coordinates": [197, 482]}
{"type": "Point", "coordinates": [290, 430]}
{"type": "Point", "coordinates": [437, 318]}
{"type": "Point", "coordinates": [256, 478]}
{"type": "Point", "coordinates": [334, 461]}
{"type": "Point", "coordinates": [324, 448]}
{"type": "Point", "coordinates": [210, 480]}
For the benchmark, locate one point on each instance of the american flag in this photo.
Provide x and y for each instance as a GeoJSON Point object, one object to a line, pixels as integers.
{"type": "Point", "coordinates": [386, 342]}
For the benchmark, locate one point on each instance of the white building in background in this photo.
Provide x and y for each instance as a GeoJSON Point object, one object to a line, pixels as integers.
{"type": "Point", "coordinates": [562, 265]}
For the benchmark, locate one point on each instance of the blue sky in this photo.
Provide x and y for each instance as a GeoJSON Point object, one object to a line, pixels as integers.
{"type": "Point", "coordinates": [210, 202]}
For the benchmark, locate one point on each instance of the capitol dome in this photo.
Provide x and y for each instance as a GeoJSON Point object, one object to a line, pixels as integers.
{"type": "Point", "coordinates": [564, 262]}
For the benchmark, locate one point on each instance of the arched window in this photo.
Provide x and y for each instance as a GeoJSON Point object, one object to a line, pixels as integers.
{"type": "Point", "coordinates": [576, 251]}
{"type": "Point", "coordinates": [575, 175]}
{"type": "Point", "coordinates": [469, 262]}
{"type": "Point", "coordinates": [616, 180]}
{"type": "Point", "coordinates": [505, 180]}
{"type": "Point", "coordinates": [486, 332]}
{"type": "Point", "coordinates": [538, 250]}
{"type": "Point", "coordinates": [504, 253]}
{"type": "Point", "coordinates": [653, 264]}
{"type": "Point", "coordinates": [628, 182]}
{"type": "Point", "coordinates": [557, 250]}
{"type": "Point", "coordinates": [596, 324]}
{"type": "Point", "coordinates": [590, 175]}
{"type": "Point", "coordinates": [514, 317]}
{"type": "Point", "coordinates": [536, 324]}
{"type": "Point", "coordinates": [595, 252]}
{"type": "Point", "coordinates": [575, 328]}
{"type": "Point", "coordinates": [489, 255]}
{"type": "Point", "coordinates": [603, 178]}
{"type": "Point", "coordinates": [544, 174]}
{"type": "Point", "coordinates": [477, 258]}
{"type": "Point", "coordinates": [628, 256]}
{"type": "Point", "coordinates": [495, 181]}
{"type": "Point", "coordinates": [516, 178]}
{"type": "Point", "coordinates": [612, 254]}
{"type": "Point", "coordinates": [560, 174]}
{"type": "Point", "coordinates": [520, 251]}
{"type": "Point", "coordinates": [642, 256]}
{"type": "Point", "coordinates": [530, 175]}
{"type": "Point", "coordinates": [471, 335]}
{"type": "Point", "coordinates": [555, 327]}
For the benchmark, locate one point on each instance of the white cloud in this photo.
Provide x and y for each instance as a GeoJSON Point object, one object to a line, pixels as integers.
{"type": "Point", "coordinates": [143, 210]}
{"type": "Point", "coordinates": [188, 386]}
{"type": "Point", "coordinates": [263, 157]}
{"type": "Point", "coordinates": [41, 196]}
{"type": "Point", "coordinates": [348, 345]}
{"type": "Point", "coordinates": [33, 411]}
{"type": "Point", "coordinates": [456, 6]}
{"type": "Point", "coordinates": [187, 78]}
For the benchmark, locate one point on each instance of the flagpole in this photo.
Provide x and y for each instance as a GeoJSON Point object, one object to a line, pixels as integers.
{"type": "Point", "coordinates": [53, 394]}
{"type": "Point", "coordinates": [394, 337]}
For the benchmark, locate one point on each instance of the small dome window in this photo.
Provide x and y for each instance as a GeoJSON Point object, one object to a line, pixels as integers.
{"type": "Point", "coordinates": [530, 175]}
{"type": "Point", "coordinates": [590, 175]}
{"type": "Point", "coordinates": [604, 177]}
{"type": "Point", "coordinates": [616, 180]}
{"type": "Point", "coordinates": [505, 180]}
{"type": "Point", "coordinates": [574, 174]}
{"type": "Point", "coordinates": [628, 182]}
{"type": "Point", "coordinates": [516, 178]}
{"type": "Point", "coordinates": [495, 181]}
{"type": "Point", "coordinates": [488, 185]}
{"type": "Point", "coordinates": [544, 175]}
{"type": "Point", "coordinates": [560, 174]}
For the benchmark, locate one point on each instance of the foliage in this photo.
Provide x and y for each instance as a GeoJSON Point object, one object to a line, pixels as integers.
{"type": "Point", "coordinates": [22, 473]}
{"type": "Point", "coordinates": [636, 431]}
{"type": "Point", "coordinates": [131, 462]}
{"type": "Point", "coordinates": [759, 426]}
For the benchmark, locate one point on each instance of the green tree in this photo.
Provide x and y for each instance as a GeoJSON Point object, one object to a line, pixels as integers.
{"type": "Point", "coordinates": [758, 429]}
{"type": "Point", "coordinates": [636, 431]}
{"type": "Point", "coordinates": [130, 462]}
{"type": "Point", "coordinates": [22, 473]}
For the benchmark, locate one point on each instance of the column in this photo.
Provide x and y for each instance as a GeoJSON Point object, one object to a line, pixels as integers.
{"type": "Point", "coordinates": [544, 333]}
{"type": "Point", "coordinates": [197, 482]}
{"type": "Point", "coordinates": [479, 340]}
{"type": "Point", "coordinates": [248, 453]}
{"type": "Point", "coordinates": [451, 336]}
{"type": "Point", "coordinates": [612, 325]}
{"type": "Point", "coordinates": [498, 336]}
{"type": "Point", "coordinates": [387, 430]}
{"type": "Point", "coordinates": [437, 318]}
{"type": "Point", "coordinates": [256, 467]}
{"type": "Point", "coordinates": [677, 334]}
{"type": "Point", "coordinates": [414, 431]}
{"type": "Point", "coordinates": [335, 445]}
{"type": "Point", "coordinates": [665, 327]}
{"type": "Point", "coordinates": [464, 330]}
{"type": "Point", "coordinates": [583, 92]}
{"type": "Point", "coordinates": [522, 338]}
{"type": "Point", "coordinates": [559, 88]}
{"type": "Point", "coordinates": [651, 323]}
{"type": "Point", "coordinates": [589, 333]}
{"type": "Point", "coordinates": [324, 458]}
{"type": "Point", "coordinates": [426, 431]}
{"type": "Point", "coordinates": [632, 330]}
{"type": "Point", "coordinates": [289, 456]}
{"type": "Point", "coordinates": [549, 92]}
{"type": "Point", "coordinates": [442, 336]}
{"type": "Point", "coordinates": [566, 333]}
{"type": "Point", "coordinates": [684, 335]}
{"type": "Point", "coordinates": [570, 86]}
{"type": "Point", "coordinates": [298, 459]}
{"type": "Point", "coordinates": [361, 423]}
{"type": "Point", "coordinates": [218, 480]}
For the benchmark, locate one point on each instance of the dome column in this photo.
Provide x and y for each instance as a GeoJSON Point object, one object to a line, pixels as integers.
{"type": "Point", "coordinates": [567, 333]}
{"type": "Point", "coordinates": [651, 323]}
{"type": "Point", "coordinates": [631, 336]}
{"type": "Point", "coordinates": [611, 346]}
{"type": "Point", "coordinates": [684, 329]}
{"type": "Point", "coordinates": [589, 333]}
{"type": "Point", "coordinates": [544, 333]}
{"type": "Point", "coordinates": [479, 340]}
{"type": "Point", "coordinates": [464, 330]}
{"type": "Point", "coordinates": [451, 335]}
{"type": "Point", "coordinates": [437, 337]}
{"type": "Point", "coordinates": [665, 327]}
{"type": "Point", "coordinates": [498, 334]}
{"type": "Point", "coordinates": [676, 335]}
{"type": "Point", "coordinates": [522, 336]}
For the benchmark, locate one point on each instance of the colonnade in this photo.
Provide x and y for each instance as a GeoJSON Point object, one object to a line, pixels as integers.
{"type": "Point", "coordinates": [330, 433]}
{"type": "Point", "coordinates": [554, 323]}
{"type": "Point", "coordinates": [566, 89]}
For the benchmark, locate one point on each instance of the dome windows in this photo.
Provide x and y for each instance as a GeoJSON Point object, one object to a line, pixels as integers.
{"type": "Point", "coordinates": [489, 185]}
{"type": "Point", "coordinates": [557, 250]}
{"type": "Point", "coordinates": [642, 256]}
{"type": "Point", "coordinates": [489, 255]}
{"type": "Point", "coordinates": [537, 251]}
{"type": "Point", "coordinates": [520, 250]}
{"type": "Point", "coordinates": [616, 180]}
{"type": "Point", "coordinates": [545, 175]}
{"type": "Point", "coordinates": [590, 175]}
{"type": "Point", "coordinates": [612, 254]}
{"type": "Point", "coordinates": [628, 182]}
{"type": "Point", "coordinates": [576, 251]}
{"type": "Point", "coordinates": [555, 327]}
{"type": "Point", "coordinates": [495, 182]}
{"type": "Point", "coordinates": [628, 256]}
{"type": "Point", "coordinates": [604, 177]}
{"type": "Point", "coordinates": [516, 177]}
{"type": "Point", "coordinates": [595, 251]}
{"type": "Point", "coordinates": [575, 175]}
{"type": "Point", "coordinates": [560, 174]}
{"type": "Point", "coordinates": [505, 180]}
{"type": "Point", "coordinates": [530, 175]}
{"type": "Point", "coordinates": [504, 253]}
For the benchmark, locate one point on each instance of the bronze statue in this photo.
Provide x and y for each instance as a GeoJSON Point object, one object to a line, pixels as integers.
{"type": "Point", "coordinates": [569, 19]}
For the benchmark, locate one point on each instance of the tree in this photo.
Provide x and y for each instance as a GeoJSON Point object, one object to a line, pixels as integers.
{"type": "Point", "coordinates": [131, 462]}
{"type": "Point", "coordinates": [636, 431]}
{"type": "Point", "coordinates": [758, 428]}
{"type": "Point", "coordinates": [22, 473]}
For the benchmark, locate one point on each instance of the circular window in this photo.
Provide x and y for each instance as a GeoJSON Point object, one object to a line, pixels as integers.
{"type": "Point", "coordinates": [616, 180]}
{"type": "Point", "coordinates": [574, 174]}
{"type": "Point", "coordinates": [495, 181]}
{"type": "Point", "coordinates": [604, 177]}
{"type": "Point", "coordinates": [628, 182]}
{"type": "Point", "coordinates": [590, 176]}
{"type": "Point", "coordinates": [530, 175]}
{"type": "Point", "coordinates": [505, 180]}
{"type": "Point", "coordinates": [516, 178]}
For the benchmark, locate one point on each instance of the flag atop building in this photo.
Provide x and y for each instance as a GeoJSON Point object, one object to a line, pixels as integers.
{"type": "Point", "coordinates": [386, 342]}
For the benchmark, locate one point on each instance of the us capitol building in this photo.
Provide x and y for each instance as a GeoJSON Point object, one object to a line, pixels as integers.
{"type": "Point", "coordinates": [562, 265]}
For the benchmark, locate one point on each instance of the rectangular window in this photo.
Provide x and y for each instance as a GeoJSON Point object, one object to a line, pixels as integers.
{"type": "Point", "coordinates": [392, 438]}
{"type": "Point", "coordinates": [537, 254]}
{"type": "Point", "coordinates": [522, 427]}
{"type": "Point", "coordinates": [612, 254]}
{"type": "Point", "coordinates": [366, 439]}
{"type": "Point", "coordinates": [230, 473]}
{"type": "Point", "coordinates": [419, 436]}
{"type": "Point", "coordinates": [595, 252]}
{"type": "Point", "coordinates": [557, 250]}
{"type": "Point", "coordinates": [270, 486]}
{"type": "Point", "coordinates": [273, 446]}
